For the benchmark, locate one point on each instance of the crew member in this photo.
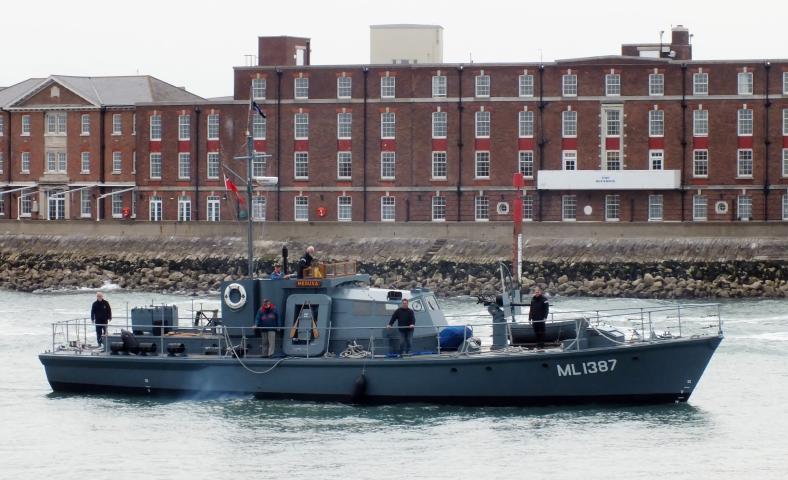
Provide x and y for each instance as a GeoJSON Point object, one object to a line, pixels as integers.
{"type": "Point", "coordinates": [305, 261]}
{"type": "Point", "coordinates": [277, 273]}
{"type": "Point", "coordinates": [100, 315]}
{"type": "Point", "coordinates": [538, 314]}
{"type": "Point", "coordinates": [267, 323]}
{"type": "Point", "coordinates": [406, 321]}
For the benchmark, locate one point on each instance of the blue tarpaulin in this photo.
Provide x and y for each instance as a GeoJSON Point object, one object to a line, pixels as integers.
{"type": "Point", "coordinates": [451, 338]}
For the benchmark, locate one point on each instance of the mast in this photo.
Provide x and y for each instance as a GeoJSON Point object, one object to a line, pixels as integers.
{"type": "Point", "coordinates": [249, 156]}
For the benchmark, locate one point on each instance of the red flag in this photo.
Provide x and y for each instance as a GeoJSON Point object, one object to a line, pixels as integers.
{"type": "Point", "coordinates": [231, 186]}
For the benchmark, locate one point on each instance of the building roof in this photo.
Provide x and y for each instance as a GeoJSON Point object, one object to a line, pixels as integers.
{"type": "Point", "coordinates": [405, 25]}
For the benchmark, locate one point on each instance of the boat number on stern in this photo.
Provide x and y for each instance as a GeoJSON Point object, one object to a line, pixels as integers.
{"type": "Point", "coordinates": [586, 368]}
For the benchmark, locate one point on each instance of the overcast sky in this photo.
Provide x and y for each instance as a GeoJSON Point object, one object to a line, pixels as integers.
{"type": "Point", "coordinates": [196, 43]}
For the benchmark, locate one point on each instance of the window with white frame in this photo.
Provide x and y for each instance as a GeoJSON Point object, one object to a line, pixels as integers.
{"type": "Point", "coordinates": [214, 210]}
{"type": "Point", "coordinates": [388, 165]}
{"type": "Point", "coordinates": [439, 86]}
{"type": "Point", "coordinates": [133, 164]}
{"type": "Point", "coordinates": [117, 124]}
{"type": "Point", "coordinates": [656, 84]}
{"type": "Point", "coordinates": [301, 122]}
{"type": "Point", "coordinates": [117, 162]}
{"type": "Point", "coordinates": [744, 163]}
{"type": "Point", "coordinates": [155, 166]}
{"type": "Point", "coordinates": [785, 162]}
{"type": "Point", "coordinates": [700, 208]}
{"type": "Point", "coordinates": [613, 84]}
{"type": "Point", "coordinates": [656, 123]}
{"type": "Point", "coordinates": [700, 84]}
{"type": "Point", "coordinates": [56, 123]}
{"type": "Point", "coordinates": [302, 165]}
{"type": "Point", "coordinates": [25, 162]}
{"type": "Point", "coordinates": [344, 87]}
{"type": "Point", "coordinates": [613, 122]}
{"type": "Point", "coordinates": [525, 123]}
{"type": "Point", "coordinates": [213, 126]}
{"type": "Point", "coordinates": [700, 163]}
{"type": "Point", "coordinates": [525, 85]}
{"type": "Point", "coordinates": [528, 207]}
{"type": "Point", "coordinates": [655, 207]}
{"type": "Point", "coordinates": [785, 83]}
{"type": "Point", "coordinates": [84, 164]}
{"type": "Point", "coordinates": [133, 205]}
{"type": "Point", "coordinates": [439, 166]}
{"type": "Point", "coordinates": [25, 206]}
{"type": "Point", "coordinates": [184, 208]}
{"type": "Point", "coordinates": [700, 123]}
{"type": "Point", "coordinates": [184, 166]}
{"type": "Point", "coordinates": [785, 122]}
{"type": "Point", "coordinates": [387, 212]}
{"type": "Point", "coordinates": [117, 205]}
{"type": "Point", "coordinates": [569, 85]}
{"type": "Point", "coordinates": [133, 123]}
{"type": "Point", "coordinates": [481, 208]}
{"type": "Point", "coordinates": [525, 164]}
{"type": "Point", "coordinates": [259, 164]}
{"type": "Point", "coordinates": [482, 86]}
{"type": "Point", "coordinates": [569, 123]}
{"type": "Point", "coordinates": [613, 160]}
{"type": "Point", "coordinates": [482, 121]}
{"type": "Point", "coordinates": [569, 208]}
{"type": "Point", "coordinates": [656, 159]}
{"type": "Point", "coordinates": [258, 88]}
{"type": "Point", "coordinates": [344, 208]}
{"type": "Point", "coordinates": [56, 161]}
{"type": "Point", "coordinates": [85, 124]}
{"type": "Point", "coordinates": [744, 210]}
{"type": "Point", "coordinates": [388, 87]}
{"type": "Point", "coordinates": [344, 165]}
{"type": "Point", "coordinates": [344, 125]}
{"type": "Point", "coordinates": [25, 125]}
{"type": "Point", "coordinates": [259, 125]}
{"type": "Point", "coordinates": [301, 88]}
{"type": "Point", "coordinates": [213, 165]}
{"type": "Point", "coordinates": [154, 209]}
{"type": "Point", "coordinates": [569, 159]}
{"type": "Point", "coordinates": [744, 122]}
{"type": "Point", "coordinates": [301, 212]}
{"type": "Point", "coordinates": [612, 207]}
{"type": "Point", "coordinates": [2, 168]}
{"type": "Point", "coordinates": [388, 124]}
{"type": "Point", "coordinates": [155, 127]}
{"type": "Point", "coordinates": [2, 126]}
{"type": "Point", "coordinates": [84, 203]}
{"type": "Point", "coordinates": [438, 209]}
{"type": "Point", "coordinates": [482, 169]}
{"type": "Point", "coordinates": [745, 83]}
{"type": "Point", "coordinates": [785, 207]}
{"type": "Point", "coordinates": [439, 124]}
{"type": "Point", "coordinates": [258, 208]}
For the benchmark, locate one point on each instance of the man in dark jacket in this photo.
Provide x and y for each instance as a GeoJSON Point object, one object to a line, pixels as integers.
{"type": "Point", "coordinates": [267, 323]}
{"type": "Point", "coordinates": [305, 261]}
{"type": "Point", "coordinates": [100, 315]}
{"type": "Point", "coordinates": [538, 314]}
{"type": "Point", "coordinates": [406, 321]}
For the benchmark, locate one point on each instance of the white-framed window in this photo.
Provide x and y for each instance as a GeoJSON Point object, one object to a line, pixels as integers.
{"type": "Point", "coordinates": [2, 168]}
{"type": "Point", "coordinates": [785, 122]}
{"type": "Point", "coordinates": [184, 165]}
{"type": "Point", "coordinates": [439, 86]}
{"type": "Point", "coordinates": [700, 208]}
{"type": "Point", "coordinates": [259, 125]}
{"type": "Point", "coordinates": [56, 162]}
{"type": "Point", "coordinates": [569, 159]}
{"type": "Point", "coordinates": [438, 209]}
{"type": "Point", "coordinates": [482, 86]}
{"type": "Point", "coordinates": [482, 121]}
{"type": "Point", "coordinates": [481, 208]}
{"type": "Point", "coordinates": [388, 87]}
{"type": "Point", "coordinates": [301, 88]}
{"type": "Point", "coordinates": [155, 127]}
{"type": "Point", "coordinates": [344, 87]}
{"type": "Point", "coordinates": [656, 84]}
{"type": "Point", "coordinates": [528, 207]}
{"type": "Point", "coordinates": [301, 211]}
{"type": "Point", "coordinates": [388, 123]}
{"type": "Point", "coordinates": [613, 160]}
{"type": "Point", "coordinates": [301, 122]}
{"type": "Point", "coordinates": [301, 161]}
{"type": "Point", "coordinates": [258, 208]}
{"type": "Point", "coordinates": [525, 85]}
{"type": "Point", "coordinates": [133, 164]}
{"type": "Point", "coordinates": [440, 126]}
{"type": "Point", "coordinates": [482, 164]}
{"type": "Point", "coordinates": [344, 124]}
{"type": "Point", "coordinates": [387, 209]}
{"type": "Point", "coordinates": [184, 127]}
{"type": "Point", "coordinates": [117, 124]}
{"type": "Point", "coordinates": [700, 123]}
{"type": "Point", "coordinates": [569, 85]}
{"type": "Point", "coordinates": [745, 83]}
{"type": "Point", "coordinates": [525, 163]}
{"type": "Point", "coordinates": [525, 123]}
{"type": "Point", "coordinates": [258, 88]}
{"type": "Point", "coordinates": [654, 208]}
{"type": "Point", "coordinates": [785, 203]}
{"type": "Point", "coordinates": [613, 122]}
{"type": "Point", "coordinates": [388, 165]}
{"type": "Point", "coordinates": [569, 123]}
{"type": "Point", "coordinates": [213, 212]}
{"type": "Point", "coordinates": [344, 165]}
{"type": "Point", "coordinates": [744, 163]}
{"type": "Point", "coordinates": [24, 164]}
{"type": "Point", "coordinates": [785, 162]}
{"type": "Point", "coordinates": [154, 209]}
{"type": "Point", "coordinates": [117, 162]}
{"type": "Point", "coordinates": [700, 163]}
{"type": "Point", "coordinates": [213, 165]}
{"type": "Point", "coordinates": [700, 84]}
{"type": "Point", "coordinates": [25, 206]}
{"type": "Point", "coordinates": [569, 208]}
{"type": "Point", "coordinates": [84, 203]}
{"type": "Point", "coordinates": [2, 126]}
{"type": "Point", "coordinates": [656, 159]}
{"type": "Point", "coordinates": [612, 84]}
{"type": "Point", "coordinates": [184, 208]}
{"type": "Point", "coordinates": [439, 166]}
{"type": "Point", "coordinates": [612, 207]}
{"type": "Point", "coordinates": [134, 124]}
{"type": "Point", "coordinates": [656, 123]}
{"type": "Point", "coordinates": [85, 124]}
{"type": "Point", "coordinates": [344, 208]}
{"type": "Point", "coordinates": [56, 123]}
{"type": "Point", "coordinates": [117, 205]}
{"type": "Point", "coordinates": [84, 163]}
{"type": "Point", "coordinates": [155, 166]}
{"type": "Point", "coordinates": [744, 122]}
{"type": "Point", "coordinates": [213, 126]}
{"type": "Point", "coordinates": [744, 207]}
{"type": "Point", "coordinates": [259, 164]}
{"type": "Point", "coordinates": [785, 83]}
{"type": "Point", "coordinates": [25, 125]}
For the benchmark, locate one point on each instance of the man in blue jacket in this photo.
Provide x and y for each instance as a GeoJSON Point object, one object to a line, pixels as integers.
{"type": "Point", "coordinates": [267, 323]}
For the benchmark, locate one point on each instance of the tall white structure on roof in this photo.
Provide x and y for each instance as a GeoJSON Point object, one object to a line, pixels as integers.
{"type": "Point", "coordinates": [406, 44]}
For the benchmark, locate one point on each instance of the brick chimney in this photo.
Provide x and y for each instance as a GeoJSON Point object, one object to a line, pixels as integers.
{"type": "Point", "coordinates": [680, 43]}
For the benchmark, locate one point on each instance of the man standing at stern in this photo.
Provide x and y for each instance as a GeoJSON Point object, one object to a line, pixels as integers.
{"type": "Point", "coordinates": [538, 314]}
{"type": "Point", "coordinates": [406, 321]}
{"type": "Point", "coordinates": [100, 315]}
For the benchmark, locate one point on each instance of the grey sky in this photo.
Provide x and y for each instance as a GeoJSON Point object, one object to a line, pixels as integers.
{"type": "Point", "coordinates": [196, 43]}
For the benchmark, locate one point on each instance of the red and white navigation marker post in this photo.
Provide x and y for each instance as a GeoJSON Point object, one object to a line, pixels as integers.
{"type": "Point", "coordinates": [517, 221]}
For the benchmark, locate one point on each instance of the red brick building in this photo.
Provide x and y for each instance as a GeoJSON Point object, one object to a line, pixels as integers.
{"type": "Point", "coordinates": [648, 135]}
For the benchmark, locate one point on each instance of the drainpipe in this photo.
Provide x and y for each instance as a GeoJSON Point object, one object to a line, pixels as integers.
{"type": "Point", "coordinates": [8, 163]}
{"type": "Point", "coordinates": [102, 146]}
{"type": "Point", "coordinates": [683, 136]}
{"type": "Point", "coordinates": [542, 142]}
{"type": "Point", "coordinates": [278, 139]}
{"type": "Point", "coordinates": [460, 108]}
{"type": "Point", "coordinates": [365, 71]}
{"type": "Point", "coordinates": [196, 163]}
{"type": "Point", "coordinates": [766, 143]}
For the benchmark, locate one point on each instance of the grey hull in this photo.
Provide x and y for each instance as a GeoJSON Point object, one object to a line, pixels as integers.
{"type": "Point", "coordinates": [665, 371]}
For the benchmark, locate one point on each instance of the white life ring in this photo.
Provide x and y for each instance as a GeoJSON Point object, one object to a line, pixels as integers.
{"type": "Point", "coordinates": [241, 293]}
